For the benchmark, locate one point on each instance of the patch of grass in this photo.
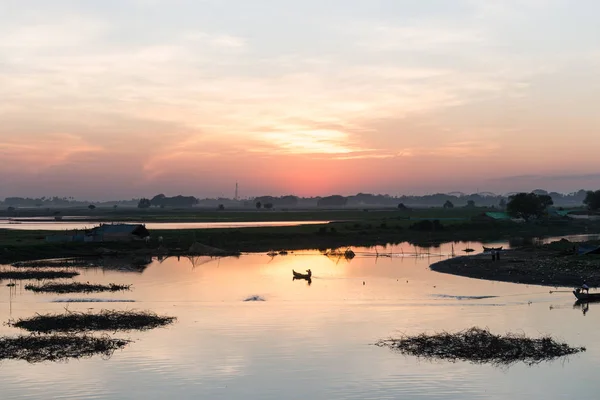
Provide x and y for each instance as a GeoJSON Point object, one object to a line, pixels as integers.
{"type": "Point", "coordinates": [70, 262]}
{"type": "Point", "coordinates": [105, 320]}
{"type": "Point", "coordinates": [36, 274]}
{"type": "Point", "coordinates": [34, 348]}
{"type": "Point", "coordinates": [479, 346]}
{"type": "Point", "coordinates": [76, 287]}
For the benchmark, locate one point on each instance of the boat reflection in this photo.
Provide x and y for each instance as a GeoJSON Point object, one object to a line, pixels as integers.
{"type": "Point", "coordinates": [583, 305]}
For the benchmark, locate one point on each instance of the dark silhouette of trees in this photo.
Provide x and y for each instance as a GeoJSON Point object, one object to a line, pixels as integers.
{"type": "Point", "coordinates": [144, 203]}
{"type": "Point", "coordinates": [470, 204]}
{"type": "Point", "coordinates": [268, 206]}
{"type": "Point", "coordinates": [592, 200]}
{"type": "Point", "coordinates": [221, 207]}
{"type": "Point", "coordinates": [92, 207]}
{"type": "Point", "coordinates": [284, 201]}
{"type": "Point", "coordinates": [160, 200]}
{"type": "Point", "coordinates": [258, 205]}
{"type": "Point", "coordinates": [528, 205]}
{"type": "Point", "coordinates": [502, 204]}
{"type": "Point", "coordinates": [401, 206]}
{"type": "Point", "coordinates": [448, 204]}
{"type": "Point", "coordinates": [332, 201]}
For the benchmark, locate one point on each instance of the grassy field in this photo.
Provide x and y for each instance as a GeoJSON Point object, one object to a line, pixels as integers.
{"type": "Point", "coordinates": [357, 228]}
{"type": "Point", "coordinates": [211, 215]}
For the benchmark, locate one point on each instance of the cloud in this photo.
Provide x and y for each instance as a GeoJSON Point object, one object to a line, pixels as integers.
{"type": "Point", "coordinates": [50, 151]}
{"type": "Point", "coordinates": [424, 37]}
{"type": "Point", "coordinates": [216, 40]}
{"type": "Point", "coordinates": [549, 177]}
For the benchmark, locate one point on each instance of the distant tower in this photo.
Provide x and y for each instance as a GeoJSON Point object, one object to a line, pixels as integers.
{"type": "Point", "coordinates": [236, 191]}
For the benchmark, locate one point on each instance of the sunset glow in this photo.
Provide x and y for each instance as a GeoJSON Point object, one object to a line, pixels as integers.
{"type": "Point", "coordinates": [122, 99]}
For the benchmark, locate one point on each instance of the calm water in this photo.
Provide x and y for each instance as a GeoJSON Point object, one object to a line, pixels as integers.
{"type": "Point", "coordinates": [60, 226]}
{"type": "Point", "coordinates": [308, 342]}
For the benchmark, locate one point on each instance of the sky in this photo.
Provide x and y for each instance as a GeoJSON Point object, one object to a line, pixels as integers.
{"type": "Point", "coordinates": [111, 99]}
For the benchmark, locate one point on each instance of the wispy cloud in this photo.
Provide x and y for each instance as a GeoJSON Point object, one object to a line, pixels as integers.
{"type": "Point", "coordinates": [216, 40]}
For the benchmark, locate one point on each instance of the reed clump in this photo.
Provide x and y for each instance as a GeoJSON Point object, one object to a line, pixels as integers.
{"type": "Point", "coordinates": [56, 263]}
{"type": "Point", "coordinates": [76, 287]}
{"type": "Point", "coordinates": [479, 346]}
{"type": "Point", "coordinates": [35, 274]}
{"type": "Point", "coordinates": [105, 320]}
{"type": "Point", "coordinates": [35, 348]}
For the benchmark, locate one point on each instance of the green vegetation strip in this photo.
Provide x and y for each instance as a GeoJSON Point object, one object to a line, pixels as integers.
{"type": "Point", "coordinates": [51, 263]}
{"type": "Point", "coordinates": [36, 348]}
{"type": "Point", "coordinates": [479, 346]}
{"type": "Point", "coordinates": [76, 287]}
{"type": "Point", "coordinates": [36, 274]}
{"type": "Point", "coordinates": [106, 320]}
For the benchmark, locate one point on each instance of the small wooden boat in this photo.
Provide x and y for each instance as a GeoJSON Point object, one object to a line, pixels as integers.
{"type": "Point", "coordinates": [492, 248]}
{"type": "Point", "coordinates": [298, 275]}
{"type": "Point", "coordinates": [583, 296]}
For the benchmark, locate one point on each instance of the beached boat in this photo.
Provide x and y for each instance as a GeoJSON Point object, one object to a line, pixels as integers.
{"type": "Point", "coordinates": [298, 275]}
{"type": "Point", "coordinates": [583, 296]}
{"type": "Point", "coordinates": [492, 248]}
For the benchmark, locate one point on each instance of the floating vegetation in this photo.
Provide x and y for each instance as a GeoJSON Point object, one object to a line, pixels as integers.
{"type": "Point", "coordinates": [36, 348]}
{"type": "Point", "coordinates": [76, 287]}
{"type": "Point", "coordinates": [255, 298]}
{"type": "Point", "coordinates": [448, 296]}
{"type": "Point", "coordinates": [68, 262]}
{"type": "Point", "coordinates": [105, 320]}
{"type": "Point", "coordinates": [479, 346]}
{"type": "Point", "coordinates": [35, 274]}
{"type": "Point", "coordinates": [92, 301]}
{"type": "Point", "coordinates": [348, 254]}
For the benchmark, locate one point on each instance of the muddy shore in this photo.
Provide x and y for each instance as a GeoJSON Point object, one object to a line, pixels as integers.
{"type": "Point", "coordinates": [549, 265]}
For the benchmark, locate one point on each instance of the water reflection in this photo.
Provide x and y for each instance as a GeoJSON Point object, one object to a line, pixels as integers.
{"type": "Point", "coordinates": [307, 341]}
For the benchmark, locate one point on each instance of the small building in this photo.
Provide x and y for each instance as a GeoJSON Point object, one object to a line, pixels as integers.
{"type": "Point", "coordinates": [495, 216]}
{"type": "Point", "coordinates": [103, 233]}
{"type": "Point", "coordinates": [492, 216]}
{"type": "Point", "coordinates": [119, 233]}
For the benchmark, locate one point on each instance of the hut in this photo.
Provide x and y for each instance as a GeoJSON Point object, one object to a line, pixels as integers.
{"type": "Point", "coordinates": [119, 233]}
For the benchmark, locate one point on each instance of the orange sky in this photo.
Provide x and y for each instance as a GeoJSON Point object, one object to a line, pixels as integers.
{"type": "Point", "coordinates": [308, 99]}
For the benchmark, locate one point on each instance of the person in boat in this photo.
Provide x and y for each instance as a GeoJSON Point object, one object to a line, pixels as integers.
{"type": "Point", "coordinates": [585, 287]}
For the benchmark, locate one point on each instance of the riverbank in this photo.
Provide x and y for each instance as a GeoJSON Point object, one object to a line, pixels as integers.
{"type": "Point", "coordinates": [549, 265]}
{"type": "Point", "coordinates": [16, 245]}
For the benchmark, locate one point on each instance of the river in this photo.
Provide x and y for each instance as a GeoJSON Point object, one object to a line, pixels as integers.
{"type": "Point", "coordinates": [308, 341]}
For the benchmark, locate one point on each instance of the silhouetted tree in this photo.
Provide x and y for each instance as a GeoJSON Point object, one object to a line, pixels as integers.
{"type": "Point", "coordinates": [221, 207]}
{"type": "Point", "coordinates": [269, 206]}
{"type": "Point", "coordinates": [401, 206]}
{"type": "Point", "coordinates": [528, 205]}
{"type": "Point", "coordinates": [592, 200]}
{"type": "Point", "coordinates": [92, 207]}
{"type": "Point", "coordinates": [258, 205]}
{"type": "Point", "coordinates": [470, 204]}
{"type": "Point", "coordinates": [144, 203]}
{"type": "Point", "coordinates": [448, 204]}
{"type": "Point", "coordinates": [11, 209]}
{"type": "Point", "coordinates": [332, 201]}
{"type": "Point", "coordinates": [161, 200]}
